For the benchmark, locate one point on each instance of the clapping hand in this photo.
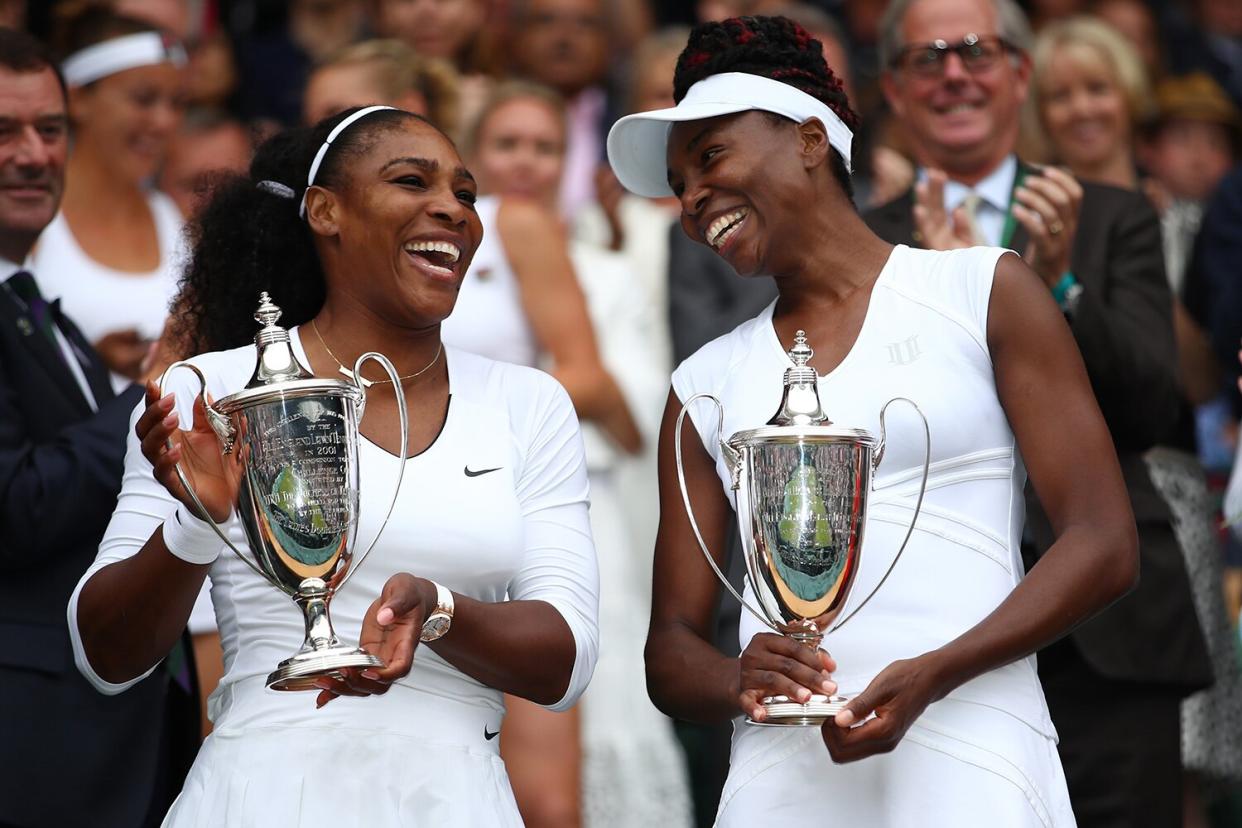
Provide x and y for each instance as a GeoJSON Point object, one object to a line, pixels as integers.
{"type": "Point", "coordinates": [896, 697]}
{"type": "Point", "coordinates": [390, 630]}
{"type": "Point", "coordinates": [933, 226]}
{"type": "Point", "coordinates": [777, 665]}
{"type": "Point", "coordinates": [1047, 206]}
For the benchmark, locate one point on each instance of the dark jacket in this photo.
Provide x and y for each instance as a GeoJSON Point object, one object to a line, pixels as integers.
{"type": "Point", "coordinates": [70, 755]}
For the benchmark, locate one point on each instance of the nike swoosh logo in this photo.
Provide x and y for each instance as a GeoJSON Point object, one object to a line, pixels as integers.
{"type": "Point", "coordinates": [486, 734]}
{"type": "Point", "coordinates": [481, 471]}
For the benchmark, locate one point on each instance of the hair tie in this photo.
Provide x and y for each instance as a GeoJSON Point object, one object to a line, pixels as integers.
{"type": "Point", "coordinates": [327, 142]}
{"type": "Point", "coordinates": [277, 189]}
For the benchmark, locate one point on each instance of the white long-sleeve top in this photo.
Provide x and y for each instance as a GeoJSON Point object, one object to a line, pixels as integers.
{"type": "Point", "coordinates": [520, 532]}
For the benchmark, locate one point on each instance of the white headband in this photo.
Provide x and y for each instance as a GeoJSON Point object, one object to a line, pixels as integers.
{"type": "Point", "coordinates": [327, 142]}
{"type": "Point", "coordinates": [638, 144]}
{"type": "Point", "coordinates": [118, 54]}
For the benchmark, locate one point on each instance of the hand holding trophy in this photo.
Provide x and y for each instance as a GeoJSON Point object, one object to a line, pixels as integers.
{"type": "Point", "coordinates": [289, 467]}
{"type": "Point", "coordinates": [802, 487]}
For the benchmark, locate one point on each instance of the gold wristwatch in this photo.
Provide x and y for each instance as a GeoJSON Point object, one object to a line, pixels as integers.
{"type": "Point", "coordinates": [441, 618]}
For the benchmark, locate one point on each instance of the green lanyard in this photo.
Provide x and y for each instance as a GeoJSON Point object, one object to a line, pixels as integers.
{"type": "Point", "coordinates": [1011, 223]}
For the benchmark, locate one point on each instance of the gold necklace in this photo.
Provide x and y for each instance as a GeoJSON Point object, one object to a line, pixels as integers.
{"type": "Point", "coordinates": [366, 383]}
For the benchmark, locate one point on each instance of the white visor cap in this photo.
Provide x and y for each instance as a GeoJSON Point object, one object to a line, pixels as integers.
{"type": "Point", "coordinates": [638, 144]}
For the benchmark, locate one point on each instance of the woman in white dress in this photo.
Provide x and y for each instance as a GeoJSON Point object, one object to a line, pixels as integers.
{"type": "Point", "coordinates": [947, 723]}
{"type": "Point", "coordinates": [112, 254]}
{"type": "Point", "coordinates": [631, 768]}
{"type": "Point", "coordinates": [505, 547]}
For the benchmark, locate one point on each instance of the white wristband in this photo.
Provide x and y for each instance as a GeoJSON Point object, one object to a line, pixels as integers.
{"type": "Point", "coordinates": [191, 538]}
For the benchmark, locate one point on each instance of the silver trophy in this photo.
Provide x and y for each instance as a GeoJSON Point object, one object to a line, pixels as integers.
{"type": "Point", "coordinates": [802, 486]}
{"type": "Point", "coordinates": [294, 440]}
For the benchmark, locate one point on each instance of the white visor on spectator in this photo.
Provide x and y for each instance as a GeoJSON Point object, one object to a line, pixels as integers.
{"type": "Point", "coordinates": [118, 54]}
{"type": "Point", "coordinates": [638, 144]}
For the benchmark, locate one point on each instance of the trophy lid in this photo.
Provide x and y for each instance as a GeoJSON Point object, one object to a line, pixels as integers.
{"type": "Point", "coordinates": [278, 373]}
{"type": "Point", "coordinates": [800, 404]}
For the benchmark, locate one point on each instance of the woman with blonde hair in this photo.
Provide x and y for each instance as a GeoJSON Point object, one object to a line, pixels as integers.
{"type": "Point", "coordinates": [384, 71]}
{"type": "Point", "coordinates": [1091, 93]}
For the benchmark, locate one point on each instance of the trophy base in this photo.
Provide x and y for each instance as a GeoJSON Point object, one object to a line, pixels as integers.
{"type": "Point", "coordinates": [302, 670]}
{"type": "Point", "coordinates": [784, 712]}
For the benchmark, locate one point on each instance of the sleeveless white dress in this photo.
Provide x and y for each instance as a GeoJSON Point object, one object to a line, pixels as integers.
{"type": "Point", "coordinates": [986, 754]}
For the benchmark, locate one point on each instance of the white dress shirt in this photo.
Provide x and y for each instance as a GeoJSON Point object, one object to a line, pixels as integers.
{"type": "Point", "coordinates": [994, 193]}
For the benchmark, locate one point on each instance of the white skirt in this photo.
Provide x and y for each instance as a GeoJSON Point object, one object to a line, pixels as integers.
{"type": "Point", "coordinates": [430, 767]}
{"type": "Point", "coordinates": [960, 765]}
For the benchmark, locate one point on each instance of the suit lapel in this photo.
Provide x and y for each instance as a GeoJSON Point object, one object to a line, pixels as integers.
{"type": "Point", "coordinates": [894, 221]}
{"type": "Point", "coordinates": [43, 351]}
{"type": "Point", "coordinates": [97, 374]}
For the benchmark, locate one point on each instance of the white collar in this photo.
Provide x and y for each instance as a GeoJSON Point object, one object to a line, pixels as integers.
{"type": "Point", "coordinates": [995, 188]}
{"type": "Point", "coordinates": [8, 268]}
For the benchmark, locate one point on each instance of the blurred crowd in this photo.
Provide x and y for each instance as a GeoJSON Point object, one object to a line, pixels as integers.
{"type": "Point", "coordinates": [602, 288]}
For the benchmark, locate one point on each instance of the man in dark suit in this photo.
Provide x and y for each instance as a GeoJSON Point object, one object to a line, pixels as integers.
{"type": "Point", "coordinates": [956, 73]}
{"type": "Point", "coordinates": [70, 756]}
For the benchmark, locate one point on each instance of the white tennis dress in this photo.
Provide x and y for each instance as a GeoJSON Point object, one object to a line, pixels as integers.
{"type": "Point", "coordinates": [986, 754]}
{"type": "Point", "coordinates": [424, 754]}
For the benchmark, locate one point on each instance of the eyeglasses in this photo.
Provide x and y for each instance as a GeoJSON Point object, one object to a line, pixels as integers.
{"type": "Point", "coordinates": [976, 53]}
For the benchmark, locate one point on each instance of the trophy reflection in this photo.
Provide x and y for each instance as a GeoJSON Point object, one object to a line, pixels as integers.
{"type": "Point", "coordinates": [293, 440]}
{"type": "Point", "coordinates": [802, 487]}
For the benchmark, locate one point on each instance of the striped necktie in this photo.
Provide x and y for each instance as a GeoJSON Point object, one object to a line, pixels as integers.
{"type": "Point", "coordinates": [970, 205]}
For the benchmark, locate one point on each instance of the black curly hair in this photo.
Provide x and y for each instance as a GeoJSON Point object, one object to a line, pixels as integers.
{"type": "Point", "coordinates": [249, 239]}
{"type": "Point", "coordinates": [770, 47]}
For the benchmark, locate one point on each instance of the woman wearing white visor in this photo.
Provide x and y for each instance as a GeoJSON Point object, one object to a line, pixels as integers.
{"type": "Point", "coordinates": [947, 723]}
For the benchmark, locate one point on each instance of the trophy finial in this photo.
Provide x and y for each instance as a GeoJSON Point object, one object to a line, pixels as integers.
{"type": "Point", "coordinates": [800, 400]}
{"type": "Point", "coordinates": [800, 354]}
{"type": "Point", "coordinates": [276, 361]}
{"type": "Point", "coordinates": [268, 311]}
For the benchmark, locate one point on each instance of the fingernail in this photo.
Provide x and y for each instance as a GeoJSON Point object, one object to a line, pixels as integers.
{"type": "Point", "coordinates": [370, 674]}
{"type": "Point", "coordinates": [385, 616]}
{"type": "Point", "coordinates": [830, 687]}
{"type": "Point", "coordinates": [170, 420]}
{"type": "Point", "coordinates": [845, 718]}
{"type": "Point", "coordinates": [804, 694]}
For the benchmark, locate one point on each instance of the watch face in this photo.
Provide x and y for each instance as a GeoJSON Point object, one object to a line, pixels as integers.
{"type": "Point", "coordinates": [434, 627]}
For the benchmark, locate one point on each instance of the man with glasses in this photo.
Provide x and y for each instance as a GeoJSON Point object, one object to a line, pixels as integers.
{"type": "Point", "coordinates": [956, 73]}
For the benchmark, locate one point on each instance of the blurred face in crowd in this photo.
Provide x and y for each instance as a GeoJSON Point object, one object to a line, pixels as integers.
{"type": "Point", "coordinates": [963, 119]}
{"type": "Point", "coordinates": [1135, 22]}
{"type": "Point", "coordinates": [653, 83]}
{"type": "Point", "coordinates": [520, 150]}
{"type": "Point", "coordinates": [171, 16]}
{"type": "Point", "coordinates": [1083, 108]}
{"type": "Point", "coordinates": [194, 157]}
{"type": "Point", "coordinates": [563, 44]}
{"type": "Point", "coordinates": [1190, 157]}
{"type": "Point", "coordinates": [434, 28]}
{"type": "Point", "coordinates": [34, 141]}
{"type": "Point", "coordinates": [126, 120]}
{"type": "Point", "coordinates": [334, 88]}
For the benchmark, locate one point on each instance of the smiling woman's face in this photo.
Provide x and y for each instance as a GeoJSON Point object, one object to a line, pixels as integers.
{"type": "Point", "coordinates": [405, 226]}
{"type": "Point", "coordinates": [742, 187]}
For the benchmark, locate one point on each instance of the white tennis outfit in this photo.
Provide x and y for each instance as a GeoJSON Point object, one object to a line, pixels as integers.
{"type": "Point", "coordinates": [985, 755]}
{"type": "Point", "coordinates": [424, 754]}
{"type": "Point", "coordinates": [101, 300]}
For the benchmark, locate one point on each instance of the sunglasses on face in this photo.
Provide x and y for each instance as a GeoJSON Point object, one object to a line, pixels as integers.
{"type": "Point", "coordinates": [976, 54]}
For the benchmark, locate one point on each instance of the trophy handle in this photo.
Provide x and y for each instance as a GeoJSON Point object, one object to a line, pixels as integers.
{"type": "Point", "coordinates": [918, 506]}
{"type": "Point", "coordinates": [733, 459]}
{"type": "Point", "coordinates": [391, 370]}
{"type": "Point", "coordinates": [224, 430]}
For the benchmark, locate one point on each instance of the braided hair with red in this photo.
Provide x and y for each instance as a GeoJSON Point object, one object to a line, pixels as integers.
{"type": "Point", "coordinates": [776, 48]}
